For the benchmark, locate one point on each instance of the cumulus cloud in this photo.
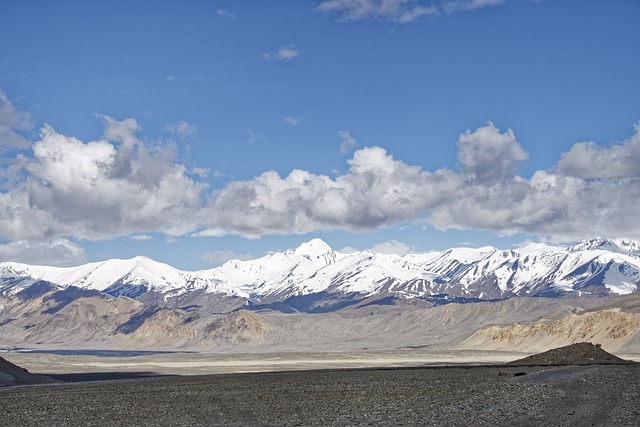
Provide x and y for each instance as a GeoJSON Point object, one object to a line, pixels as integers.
{"type": "Point", "coordinates": [391, 247]}
{"type": "Point", "coordinates": [487, 154]}
{"type": "Point", "coordinates": [379, 191]}
{"type": "Point", "coordinates": [588, 160]}
{"type": "Point", "coordinates": [348, 142]}
{"type": "Point", "coordinates": [120, 186]}
{"type": "Point", "coordinates": [111, 187]}
{"type": "Point", "coordinates": [12, 120]}
{"type": "Point", "coordinates": [284, 53]}
{"type": "Point", "coordinates": [58, 252]}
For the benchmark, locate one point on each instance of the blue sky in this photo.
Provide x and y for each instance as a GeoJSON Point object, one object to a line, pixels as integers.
{"type": "Point", "coordinates": [199, 131]}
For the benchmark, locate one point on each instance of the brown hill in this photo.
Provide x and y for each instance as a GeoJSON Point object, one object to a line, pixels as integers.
{"type": "Point", "coordinates": [583, 353]}
{"type": "Point", "coordinates": [611, 327]}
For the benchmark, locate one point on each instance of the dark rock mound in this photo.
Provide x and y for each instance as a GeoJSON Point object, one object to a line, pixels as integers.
{"type": "Point", "coordinates": [583, 353]}
{"type": "Point", "coordinates": [11, 374]}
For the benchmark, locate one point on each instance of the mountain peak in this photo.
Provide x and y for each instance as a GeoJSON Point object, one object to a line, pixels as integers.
{"type": "Point", "coordinates": [595, 243]}
{"type": "Point", "coordinates": [313, 248]}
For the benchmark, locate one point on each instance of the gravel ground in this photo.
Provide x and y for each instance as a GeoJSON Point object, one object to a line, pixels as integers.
{"type": "Point", "coordinates": [441, 396]}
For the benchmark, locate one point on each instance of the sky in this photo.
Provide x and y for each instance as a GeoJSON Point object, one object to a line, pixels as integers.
{"type": "Point", "coordinates": [200, 131]}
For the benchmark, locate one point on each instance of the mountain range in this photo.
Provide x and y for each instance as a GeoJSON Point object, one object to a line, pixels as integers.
{"type": "Point", "coordinates": [313, 277]}
{"type": "Point", "coordinates": [313, 298]}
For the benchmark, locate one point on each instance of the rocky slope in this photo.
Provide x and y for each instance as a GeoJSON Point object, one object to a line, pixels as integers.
{"type": "Point", "coordinates": [315, 299]}
{"type": "Point", "coordinates": [11, 375]}
{"type": "Point", "coordinates": [581, 353]}
{"type": "Point", "coordinates": [73, 318]}
{"type": "Point", "coordinates": [615, 326]}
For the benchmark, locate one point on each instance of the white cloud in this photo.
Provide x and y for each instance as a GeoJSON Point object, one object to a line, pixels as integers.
{"type": "Point", "coordinates": [222, 256]}
{"type": "Point", "coordinates": [224, 13]}
{"type": "Point", "coordinates": [376, 191]}
{"type": "Point", "coordinates": [59, 252]}
{"type": "Point", "coordinates": [120, 186]}
{"type": "Point", "coordinates": [391, 247]}
{"type": "Point", "coordinates": [452, 6]}
{"type": "Point", "coordinates": [293, 121]}
{"type": "Point", "coordinates": [379, 191]}
{"type": "Point", "coordinates": [587, 160]}
{"type": "Point", "coordinates": [203, 173]}
{"type": "Point", "coordinates": [182, 129]}
{"type": "Point", "coordinates": [11, 120]}
{"type": "Point", "coordinates": [11, 172]}
{"type": "Point", "coordinates": [284, 53]}
{"type": "Point", "coordinates": [400, 11]}
{"type": "Point", "coordinates": [141, 237]}
{"type": "Point", "coordinates": [487, 154]}
{"type": "Point", "coordinates": [348, 142]}
{"type": "Point", "coordinates": [106, 188]}
{"type": "Point", "coordinates": [255, 138]}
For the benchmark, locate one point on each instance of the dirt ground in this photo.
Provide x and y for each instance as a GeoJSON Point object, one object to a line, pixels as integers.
{"type": "Point", "coordinates": [567, 386]}
{"type": "Point", "coordinates": [438, 396]}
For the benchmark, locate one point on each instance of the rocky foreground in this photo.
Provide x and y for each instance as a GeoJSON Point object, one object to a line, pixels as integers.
{"type": "Point", "coordinates": [592, 390]}
{"type": "Point", "coordinates": [607, 395]}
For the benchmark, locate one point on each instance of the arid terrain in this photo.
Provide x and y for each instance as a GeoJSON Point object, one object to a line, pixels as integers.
{"type": "Point", "coordinates": [373, 365]}
{"type": "Point", "coordinates": [575, 385]}
{"type": "Point", "coordinates": [455, 395]}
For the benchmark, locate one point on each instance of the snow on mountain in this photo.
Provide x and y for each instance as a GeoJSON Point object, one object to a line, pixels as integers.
{"type": "Point", "coordinates": [629, 246]}
{"type": "Point", "coordinates": [594, 244]}
{"type": "Point", "coordinates": [102, 275]}
{"type": "Point", "coordinates": [316, 251]}
{"type": "Point", "coordinates": [623, 246]}
{"type": "Point", "coordinates": [595, 266]}
{"type": "Point", "coordinates": [364, 272]}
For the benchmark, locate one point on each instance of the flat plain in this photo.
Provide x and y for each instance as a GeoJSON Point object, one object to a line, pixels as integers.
{"type": "Point", "coordinates": [381, 389]}
{"type": "Point", "coordinates": [607, 395]}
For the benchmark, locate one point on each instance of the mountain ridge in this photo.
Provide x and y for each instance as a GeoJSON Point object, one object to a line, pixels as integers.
{"type": "Point", "coordinates": [313, 269]}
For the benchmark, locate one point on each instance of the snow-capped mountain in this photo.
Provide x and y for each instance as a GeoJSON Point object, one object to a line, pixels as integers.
{"type": "Point", "coordinates": [314, 269]}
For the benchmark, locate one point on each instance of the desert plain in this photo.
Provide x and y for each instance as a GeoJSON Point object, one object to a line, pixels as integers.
{"type": "Point", "coordinates": [384, 388]}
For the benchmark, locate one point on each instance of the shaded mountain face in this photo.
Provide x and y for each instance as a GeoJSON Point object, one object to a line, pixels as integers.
{"type": "Point", "coordinates": [94, 320]}
{"type": "Point", "coordinates": [315, 278]}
